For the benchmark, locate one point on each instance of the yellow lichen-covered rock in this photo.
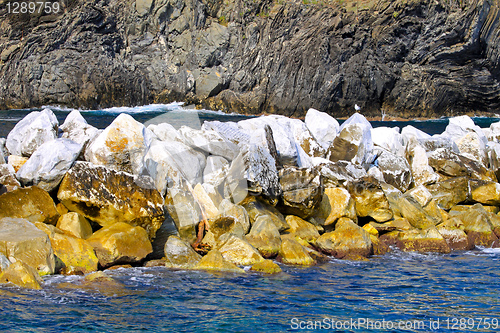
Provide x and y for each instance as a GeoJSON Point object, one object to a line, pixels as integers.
{"type": "Point", "coordinates": [237, 212]}
{"type": "Point", "coordinates": [75, 224]}
{"type": "Point", "coordinates": [452, 231]}
{"type": "Point", "coordinates": [185, 211]}
{"type": "Point", "coordinates": [485, 192]}
{"type": "Point", "coordinates": [179, 254]}
{"type": "Point", "coordinates": [450, 192]}
{"type": "Point", "coordinates": [348, 239]}
{"type": "Point", "coordinates": [256, 208]}
{"type": "Point", "coordinates": [22, 275]}
{"type": "Point", "coordinates": [106, 196]}
{"type": "Point", "coordinates": [22, 240]}
{"type": "Point", "coordinates": [221, 225]}
{"type": "Point", "coordinates": [415, 213]}
{"type": "Point", "coordinates": [61, 209]}
{"type": "Point", "coordinates": [371, 229]}
{"type": "Point", "coordinates": [336, 203]}
{"type": "Point", "coordinates": [120, 243]}
{"type": "Point", "coordinates": [292, 253]}
{"type": "Point", "coordinates": [213, 261]}
{"type": "Point", "coordinates": [99, 276]}
{"type": "Point", "coordinates": [267, 266]}
{"type": "Point", "coordinates": [76, 254]}
{"type": "Point", "coordinates": [205, 202]}
{"type": "Point", "coordinates": [264, 236]}
{"type": "Point", "coordinates": [239, 252]}
{"type": "Point", "coordinates": [379, 247]}
{"type": "Point", "coordinates": [31, 203]}
{"type": "Point", "coordinates": [370, 199]}
{"type": "Point", "coordinates": [392, 225]}
{"type": "Point", "coordinates": [426, 240]}
{"type": "Point", "coordinates": [477, 226]}
{"type": "Point", "coordinates": [301, 228]}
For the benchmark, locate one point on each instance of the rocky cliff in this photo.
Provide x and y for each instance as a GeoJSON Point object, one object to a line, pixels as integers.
{"type": "Point", "coordinates": [406, 58]}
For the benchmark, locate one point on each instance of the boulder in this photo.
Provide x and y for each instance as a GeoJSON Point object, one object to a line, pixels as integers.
{"type": "Point", "coordinates": [210, 142]}
{"type": "Point", "coordinates": [460, 126]}
{"type": "Point", "coordinates": [207, 206]}
{"type": "Point", "coordinates": [258, 167]}
{"type": "Point", "coordinates": [302, 191]}
{"type": "Point", "coordinates": [400, 224]}
{"type": "Point", "coordinates": [237, 212]}
{"type": "Point", "coordinates": [340, 173]}
{"type": "Point", "coordinates": [370, 199]}
{"type": "Point", "coordinates": [106, 196]}
{"type": "Point", "coordinates": [477, 226]}
{"type": "Point", "coordinates": [256, 208]}
{"type": "Point", "coordinates": [438, 142]}
{"type": "Point", "coordinates": [31, 203]}
{"type": "Point", "coordinates": [215, 169]}
{"type": "Point", "coordinates": [303, 138]}
{"type": "Point", "coordinates": [267, 266]}
{"type": "Point", "coordinates": [229, 131]}
{"type": "Point", "coordinates": [421, 194]}
{"type": "Point", "coordinates": [485, 192]}
{"type": "Point", "coordinates": [292, 253]}
{"type": "Point", "coordinates": [348, 240]}
{"type": "Point", "coordinates": [418, 240]}
{"type": "Point", "coordinates": [301, 228]}
{"type": "Point", "coordinates": [121, 146]}
{"type": "Point", "coordinates": [185, 211]}
{"type": "Point", "coordinates": [454, 165]}
{"type": "Point", "coordinates": [415, 213]}
{"type": "Point", "coordinates": [409, 133]}
{"type": "Point", "coordinates": [169, 163]}
{"type": "Point", "coordinates": [389, 139]}
{"type": "Point", "coordinates": [21, 240]}
{"type": "Point", "coordinates": [120, 243]}
{"type": "Point", "coordinates": [8, 177]}
{"type": "Point", "coordinates": [354, 144]}
{"type": "Point", "coordinates": [49, 163]}
{"type": "Point", "coordinates": [264, 236]}
{"type": "Point", "coordinates": [16, 161]}
{"type": "Point", "coordinates": [179, 254]}
{"type": "Point", "coordinates": [451, 192]}
{"type": "Point", "coordinates": [336, 203]}
{"type": "Point", "coordinates": [75, 225]}
{"type": "Point", "coordinates": [4, 262]}
{"type": "Point", "coordinates": [222, 225]}
{"type": "Point", "coordinates": [165, 132]}
{"type": "Point", "coordinates": [76, 128]}
{"type": "Point", "coordinates": [493, 153]}
{"type": "Point", "coordinates": [452, 231]}
{"type": "Point", "coordinates": [375, 172]}
{"type": "Point", "coordinates": [284, 142]}
{"type": "Point", "coordinates": [471, 146]}
{"type": "Point", "coordinates": [214, 261]}
{"type": "Point", "coordinates": [422, 172]}
{"type": "Point", "coordinates": [21, 275]}
{"type": "Point", "coordinates": [239, 252]}
{"type": "Point", "coordinates": [31, 132]}
{"type": "Point", "coordinates": [76, 254]}
{"type": "Point", "coordinates": [322, 126]}
{"type": "Point", "coordinates": [396, 170]}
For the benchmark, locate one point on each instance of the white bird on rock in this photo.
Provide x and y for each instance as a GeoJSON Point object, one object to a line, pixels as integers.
{"type": "Point", "coordinates": [357, 107]}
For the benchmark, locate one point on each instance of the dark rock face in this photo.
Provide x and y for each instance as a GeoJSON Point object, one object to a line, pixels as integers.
{"type": "Point", "coordinates": [423, 58]}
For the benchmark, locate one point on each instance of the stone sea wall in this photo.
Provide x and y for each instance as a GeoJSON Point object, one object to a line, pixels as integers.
{"type": "Point", "coordinates": [419, 58]}
{"type": "Point", "coordinates": [79, 200]}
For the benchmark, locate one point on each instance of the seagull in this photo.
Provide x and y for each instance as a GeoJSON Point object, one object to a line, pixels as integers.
{"type": "Point", "coordinates": [357, 107]}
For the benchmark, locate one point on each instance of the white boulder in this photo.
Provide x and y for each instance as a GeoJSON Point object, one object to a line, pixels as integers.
{"type": "Point", "coordinates": [322, 126]}
{"type": "Point", "coordinates": [31, 132]}
{"type": "Point", "coordinates": [388, 138]}
{"type": "Point", "coordinates": [121, 146]}
{"type": "Point", "coordinates": [49, 163]}
{"type": "Point", "coordinates": [209, 141]}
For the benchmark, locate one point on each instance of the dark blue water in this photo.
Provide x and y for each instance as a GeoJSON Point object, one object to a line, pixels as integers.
{"type": "Point", "coordinates": [177, 115]}
{"type": "Point", "coordinates": [398, 292]}
{"type": "Point", "coordinates": [397, 289]}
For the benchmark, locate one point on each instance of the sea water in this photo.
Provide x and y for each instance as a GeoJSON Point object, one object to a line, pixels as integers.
{"type": "Point", "coordinates": [397, 292]}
